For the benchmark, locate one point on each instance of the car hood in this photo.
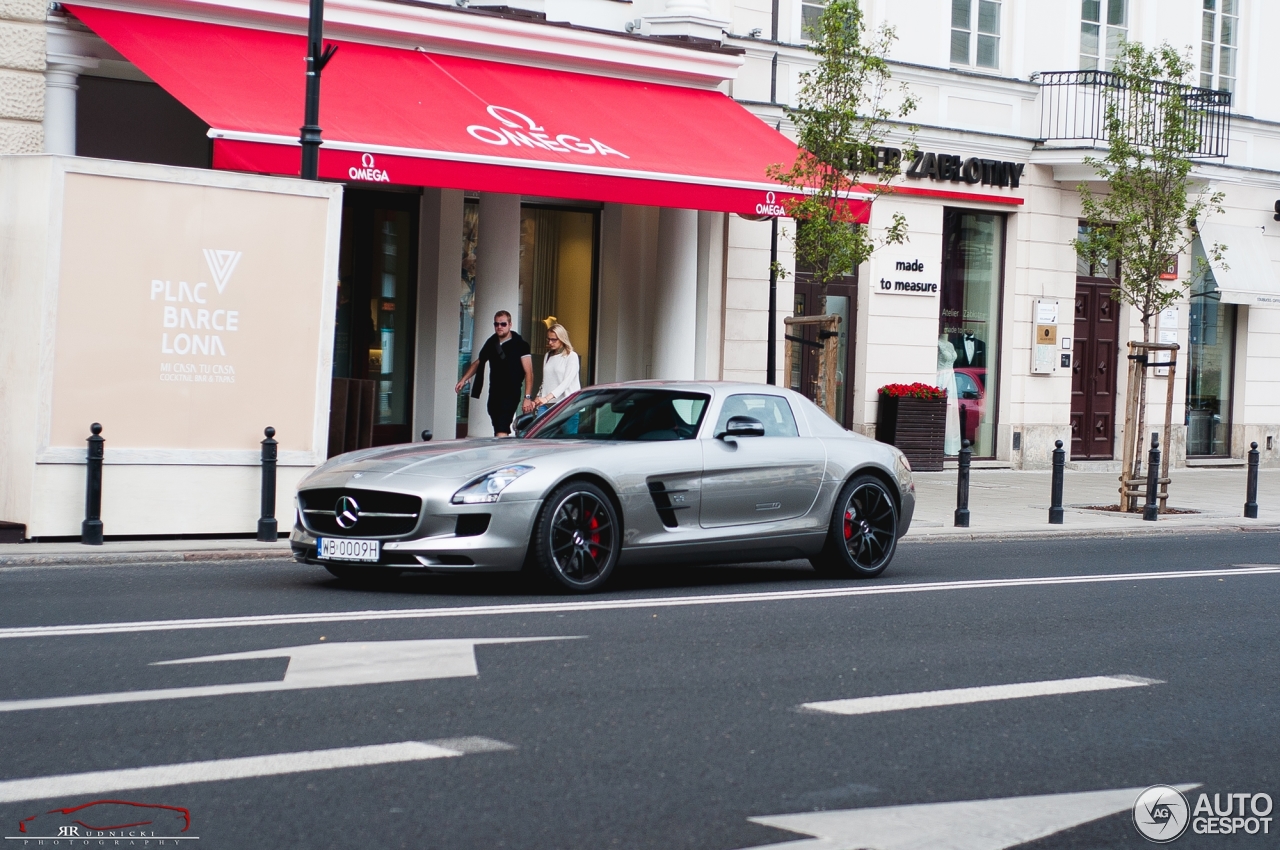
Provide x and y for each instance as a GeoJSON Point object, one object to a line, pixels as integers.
{"type": "Point", "coordinates": [459, 460]}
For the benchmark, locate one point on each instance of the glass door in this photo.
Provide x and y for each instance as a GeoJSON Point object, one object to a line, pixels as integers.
{"type": "Point", "coordinates": [374, 323]}
{"type": "Point", "coordinates": [1212, 337]}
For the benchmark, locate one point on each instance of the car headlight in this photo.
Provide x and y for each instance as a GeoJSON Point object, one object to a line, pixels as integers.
{"type": "Point", "coordinates": [903, 468]}
{"type": "Point", "coordinates": [487, 488]}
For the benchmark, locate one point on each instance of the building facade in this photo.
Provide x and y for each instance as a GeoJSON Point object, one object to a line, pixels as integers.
{"type": "Point", "coordinates": [660, 282]}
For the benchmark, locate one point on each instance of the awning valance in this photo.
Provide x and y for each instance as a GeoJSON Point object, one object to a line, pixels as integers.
{"type": "Point", "coordinates": [410, 117]}
{"type": "Point", "coordinates": [1247, 275]}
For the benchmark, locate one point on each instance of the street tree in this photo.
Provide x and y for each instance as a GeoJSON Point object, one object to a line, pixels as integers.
{"type": "Point", "coordinates": [1146, 217]}
{"type": "Point", "coordinates": [844, 112]}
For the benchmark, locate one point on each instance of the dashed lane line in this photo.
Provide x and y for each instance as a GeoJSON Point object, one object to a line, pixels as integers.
{"type": "Point", "coordinates": [988, 693]}
{"type": "Point", "coordinates": [219, 770]}
{"type": "Point", "coordinates": [619, 604]}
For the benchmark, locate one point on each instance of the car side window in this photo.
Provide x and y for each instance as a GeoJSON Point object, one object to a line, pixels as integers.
{"type": "Point", "coordinates": [772, 410]}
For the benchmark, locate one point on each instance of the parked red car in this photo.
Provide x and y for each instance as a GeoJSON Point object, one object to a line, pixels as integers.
{"type": "Point", "coordinates": [971, 387]}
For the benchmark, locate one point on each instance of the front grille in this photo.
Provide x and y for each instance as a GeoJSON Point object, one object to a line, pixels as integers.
{"type": "Point", "coordinates": [377, 513]}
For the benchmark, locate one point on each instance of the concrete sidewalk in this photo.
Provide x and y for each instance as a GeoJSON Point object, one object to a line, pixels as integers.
{"type": "Point", "coordinates": [1003, 504]}
{"type": "Point", "coordinates": [1008, 504]}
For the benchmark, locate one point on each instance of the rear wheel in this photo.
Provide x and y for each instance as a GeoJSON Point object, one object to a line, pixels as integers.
{"type": "Point", "coordinates": [863, 534]}
{"type": "Point", "coordinates": [576, 540]}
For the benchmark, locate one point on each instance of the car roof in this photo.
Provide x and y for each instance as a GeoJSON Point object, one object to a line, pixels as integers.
{"type": "Point", "coordinates": [713, 387]}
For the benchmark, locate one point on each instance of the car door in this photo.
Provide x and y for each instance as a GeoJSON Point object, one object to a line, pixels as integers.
{"type": "Point", "coordinates": [748, 480]}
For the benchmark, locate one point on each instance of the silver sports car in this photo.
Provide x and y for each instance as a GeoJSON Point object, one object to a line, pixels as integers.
{"type": "Point", "coordinates": [642, 472]}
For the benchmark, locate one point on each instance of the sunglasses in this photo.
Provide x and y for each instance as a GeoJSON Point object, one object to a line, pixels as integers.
{"type": "Point", "coordinates": [499, 324]}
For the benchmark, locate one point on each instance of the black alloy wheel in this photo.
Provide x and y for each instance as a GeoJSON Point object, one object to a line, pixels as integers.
{"type": "Point", "coordinates": [863, 535]}
{"type": "Point", "coordinates": [576, 539]}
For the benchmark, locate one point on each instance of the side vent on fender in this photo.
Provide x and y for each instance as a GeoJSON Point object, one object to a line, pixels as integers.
{"type": "Point", "coordinates": [662, 501]}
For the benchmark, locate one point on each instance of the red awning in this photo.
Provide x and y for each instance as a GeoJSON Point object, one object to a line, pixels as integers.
{"type": "Point", "coordinates": [411, 117]}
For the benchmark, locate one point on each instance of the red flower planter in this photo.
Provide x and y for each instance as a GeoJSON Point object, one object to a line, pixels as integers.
{"type": "Point", "coordinates": [917, 426]}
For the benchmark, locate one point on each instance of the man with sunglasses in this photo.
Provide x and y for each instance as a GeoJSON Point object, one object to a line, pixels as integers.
{"type": "Point", "coordinates": [510, 360]}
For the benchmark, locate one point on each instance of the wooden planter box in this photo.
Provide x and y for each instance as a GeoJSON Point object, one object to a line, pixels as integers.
{"type": "Point", "coordinates": [917, 426]}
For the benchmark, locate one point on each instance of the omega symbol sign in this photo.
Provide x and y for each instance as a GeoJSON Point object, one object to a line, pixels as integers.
{"type": "Point", "coordinates": [520, 130]}
{"type": "Point", "coordinates": [770, 206]}
{"type": "Point", "coordinates": [368, 171]}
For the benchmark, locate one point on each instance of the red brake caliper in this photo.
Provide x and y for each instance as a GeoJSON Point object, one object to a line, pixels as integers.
{"type": "Point", "coordinates": [848, 524]}
{"type": "Point", "coordinates": [595, 537]}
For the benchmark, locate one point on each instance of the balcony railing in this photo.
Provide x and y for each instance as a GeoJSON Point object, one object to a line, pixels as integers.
{"type": "Point", "coordinates": [1073, 107]}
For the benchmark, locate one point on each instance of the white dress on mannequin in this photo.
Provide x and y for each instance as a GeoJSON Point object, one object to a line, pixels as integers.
{"type": "Point", "coordinates": [947, 381]}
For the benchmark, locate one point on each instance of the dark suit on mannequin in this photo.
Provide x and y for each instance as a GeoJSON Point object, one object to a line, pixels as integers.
{"type": "Point", "coordinates": [970, 351]}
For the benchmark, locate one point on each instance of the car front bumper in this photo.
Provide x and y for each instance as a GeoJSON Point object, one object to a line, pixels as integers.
{"type": "Point", "coordinates": [501, 547]}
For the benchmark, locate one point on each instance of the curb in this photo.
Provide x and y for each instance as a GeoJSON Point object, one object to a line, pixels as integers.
{"type": "Point", "coordinates": [1048, 534]}
{"type": "Point", "coordinates": [62, 559]}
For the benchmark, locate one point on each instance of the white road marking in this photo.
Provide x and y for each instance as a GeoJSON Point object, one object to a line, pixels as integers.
{"type": "Point", "coordinates": [989, 693]}
{"type": "Point", "coordinates": [614, 604]}
{"type": "Point", "coordinates": [219, 770]}
{"type": "Point", "coordinates": [970, 825]}
{"type": "Point", "coordinates": [316, 665]}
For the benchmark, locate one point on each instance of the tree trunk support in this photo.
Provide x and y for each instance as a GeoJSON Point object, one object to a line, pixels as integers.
{"type": "Point", "coordinates": [1132, 479]}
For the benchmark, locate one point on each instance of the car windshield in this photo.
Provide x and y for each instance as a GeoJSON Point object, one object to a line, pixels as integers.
{"type": "Point", "coordinates": [624, 414]}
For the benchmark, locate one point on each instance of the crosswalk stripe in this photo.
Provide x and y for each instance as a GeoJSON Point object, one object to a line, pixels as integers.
{"type": "Point", "coordinates": [841, 592]}
{"type": "Point", "coordinates": [988, 693]}
{"type": "Point", "coordinates": [277, 764]}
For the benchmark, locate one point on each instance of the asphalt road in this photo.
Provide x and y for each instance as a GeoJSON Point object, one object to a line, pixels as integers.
{"type": "Point", "coordinates": [670, 720]}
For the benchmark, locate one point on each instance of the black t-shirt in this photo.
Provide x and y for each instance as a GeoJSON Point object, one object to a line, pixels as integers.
{"type": "Point", "coordinates": [506, 366]}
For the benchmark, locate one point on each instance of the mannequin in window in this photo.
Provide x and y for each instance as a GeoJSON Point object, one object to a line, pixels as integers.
{"type": "Point", "coordinates": [947, 381]}
{"type": "Point", "coordinates": [970, 351]}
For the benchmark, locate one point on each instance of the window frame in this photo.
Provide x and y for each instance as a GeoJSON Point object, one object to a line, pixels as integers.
{"type": "Point", "coordinates": [1103, 60]}
{"type": "Point", "coordinates": [1213, 77]}
{"type": "Point", "coordinates": [974, 34]}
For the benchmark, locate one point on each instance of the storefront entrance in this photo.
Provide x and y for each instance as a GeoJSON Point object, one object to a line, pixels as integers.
{"type": "Point", "coordinates": [842, 301]}
{"type": "Point", "coordinates": [371, 400]}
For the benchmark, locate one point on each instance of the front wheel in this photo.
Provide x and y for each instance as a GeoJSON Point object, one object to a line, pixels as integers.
{"type": "Point", "coordinates": [863, 534]}
{"type": "Point", "coordinates": [576, 540]}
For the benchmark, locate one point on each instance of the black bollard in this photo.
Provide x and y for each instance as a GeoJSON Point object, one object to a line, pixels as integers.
{"type": "Point", "coordinates": [426, 436]}
{"type": "Point", "coordinates": [1059, 470]}
{"type": "Point", "coordinates": [1151, 511]}
{"type": "Point", "coordinates": [1251, 488]}
{"type": "Point", "coordinates": [268, 529]}
{"type": "Point", "coordinates": [962, 486]}
{"type": "Point", "coordinates": [91, 528]}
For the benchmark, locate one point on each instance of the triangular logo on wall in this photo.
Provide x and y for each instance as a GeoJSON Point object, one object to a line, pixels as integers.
{"type": "Point", "coordinates": [221, 265]}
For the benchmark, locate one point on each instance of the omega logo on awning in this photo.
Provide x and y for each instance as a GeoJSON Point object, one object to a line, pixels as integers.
{"type": "Point", "coordinates": [513, 133]}
{"type": "Point", "coordinates": [367, 171]}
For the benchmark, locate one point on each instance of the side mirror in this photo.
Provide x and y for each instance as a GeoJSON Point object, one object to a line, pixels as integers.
{"type": "Point", "coordinates": [741, 426]}
{"type": "Point", "coordinates": [523, 421]}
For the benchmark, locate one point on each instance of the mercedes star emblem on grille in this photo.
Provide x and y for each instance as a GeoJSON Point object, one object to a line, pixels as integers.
{"type": "Point", "coordinates": [346, 512]}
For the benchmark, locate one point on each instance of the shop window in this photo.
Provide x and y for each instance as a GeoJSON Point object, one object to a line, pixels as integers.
{"type": "Point", "coordinates": [969, 327]}
{"type": "Point", "coordinates": [1219, 44]}
{"type": "Point", "coordinates": [467, 304]}
{"type": "Point", "coordinates": [975, 33]}
{"type": "Point", "coordinates": [1104, 25]}
{"type": "Point", "coordinates": [1212, 341]}
{"type": "Point", "coordinates": [557, 278]}
{"type": "Point", "coordinates": [374, 321]}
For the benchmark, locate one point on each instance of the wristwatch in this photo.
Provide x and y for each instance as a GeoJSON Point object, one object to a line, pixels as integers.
{"type": "Point", "coordinates": [528, 398]}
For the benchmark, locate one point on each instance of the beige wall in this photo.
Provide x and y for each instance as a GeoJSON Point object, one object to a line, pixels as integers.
{"type": "Point", "coordinates": [104, 268]}
{"type": "Point", "coordinates": [22, 58]}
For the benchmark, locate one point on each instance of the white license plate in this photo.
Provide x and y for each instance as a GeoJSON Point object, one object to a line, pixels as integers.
{"type": "Point", "coordinates": [342, 549]}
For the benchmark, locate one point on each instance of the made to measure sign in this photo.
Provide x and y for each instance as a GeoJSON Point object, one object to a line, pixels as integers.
{"type": "Point", "coordinates": [907, 276]}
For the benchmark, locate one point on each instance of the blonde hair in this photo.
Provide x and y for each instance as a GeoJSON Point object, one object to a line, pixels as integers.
{"type": "Point", "coordinates": [559, 330]}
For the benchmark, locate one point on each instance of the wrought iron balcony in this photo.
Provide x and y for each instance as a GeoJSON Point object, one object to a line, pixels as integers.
{"type": "Point", "coordinates": [1073, 108]}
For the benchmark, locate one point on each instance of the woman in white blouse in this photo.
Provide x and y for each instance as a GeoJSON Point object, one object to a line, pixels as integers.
{"type": "Point", "coordinates": [559, 369]}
